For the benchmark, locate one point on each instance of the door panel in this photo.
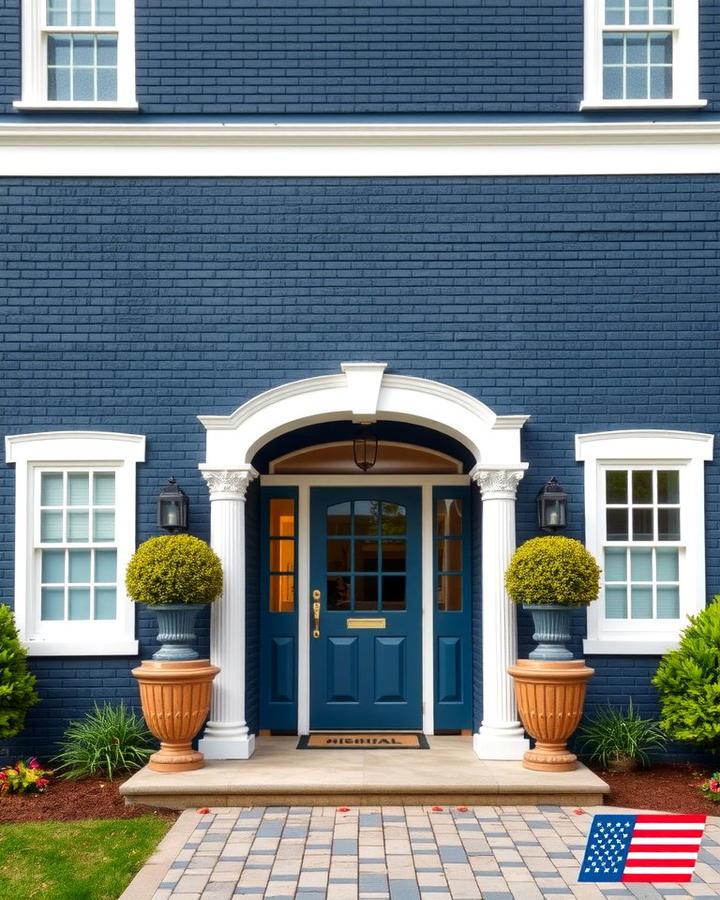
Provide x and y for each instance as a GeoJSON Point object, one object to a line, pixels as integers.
{"type": "Point", "coordinates": [365, 664]}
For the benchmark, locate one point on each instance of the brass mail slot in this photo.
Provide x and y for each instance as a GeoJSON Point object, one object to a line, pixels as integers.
{"type": "Point", "coordinates": [366, 623]}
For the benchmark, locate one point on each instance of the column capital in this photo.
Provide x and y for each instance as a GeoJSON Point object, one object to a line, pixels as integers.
{"type": "Point", "coordinates": [498, 483]}
{"type": "Point", "coordinates": [228, 483]}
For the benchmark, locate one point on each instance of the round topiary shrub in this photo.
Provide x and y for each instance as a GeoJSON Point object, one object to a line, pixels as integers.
{"type": "Point", "coordinates": [688, 680]}
{"type": "Point", "coordinates": [553, 569]}
{"type": "Point", "coordinates": [177, 568]}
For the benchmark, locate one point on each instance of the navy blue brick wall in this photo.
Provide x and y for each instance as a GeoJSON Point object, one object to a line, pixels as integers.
{"type": "Point", "coordinates": [339, 56]}
{"type": "Point", "coordinates": [135, 305]}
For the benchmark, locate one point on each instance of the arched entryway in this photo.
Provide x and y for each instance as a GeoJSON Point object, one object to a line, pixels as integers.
{"type": "Point", "coordinates": [362, 393]}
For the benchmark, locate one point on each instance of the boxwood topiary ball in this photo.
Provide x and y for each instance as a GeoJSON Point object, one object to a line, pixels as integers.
{"type": "Point", "coordinates": [177, 568]}
{"type": "Point", "coordinates": [553, 569]}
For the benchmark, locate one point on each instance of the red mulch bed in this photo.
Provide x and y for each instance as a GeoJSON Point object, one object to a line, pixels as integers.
{"type": "Point", "coordinates": [68, 801]}
{"type": "Point", "coordinates": [666, 787]}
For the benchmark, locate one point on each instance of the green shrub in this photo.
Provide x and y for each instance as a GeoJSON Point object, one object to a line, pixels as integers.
{"type": "Point", "coordinates": [688, 680]}
{"type": "Point", "coordinates": [553, 569]}
{"type": "Point", "coordinates": [17, 685]}
{"type": "Point", "coordinates": [615, 734]}
{"type": "Point", "coordinates": [109, 740]}
{"type": "Point", "coordinates": [176, 568]}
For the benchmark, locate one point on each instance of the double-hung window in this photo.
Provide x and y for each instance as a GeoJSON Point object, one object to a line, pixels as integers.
{"type": "Point", "coordinates": [641, 53]}
{"type": "Point", "coordinates": [79, 54]}
{"type": "Point", "coordinates": [75, 533]}
{"type": "Point", "coordinates": [645, 526]}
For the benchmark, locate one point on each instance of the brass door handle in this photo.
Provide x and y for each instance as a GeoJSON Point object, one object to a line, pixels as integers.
{"type": "Point", "coordinates": [316, 614]}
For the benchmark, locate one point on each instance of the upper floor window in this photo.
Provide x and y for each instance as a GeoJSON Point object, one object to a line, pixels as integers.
{"type": "Point", "coordinates": [75, 533]}
{"type": "Point", "coordinates": [79, 54]}
{"type": "Point", "coordinates": [644, 521]}
{"type": "Point", "coordinates": [641, 53]}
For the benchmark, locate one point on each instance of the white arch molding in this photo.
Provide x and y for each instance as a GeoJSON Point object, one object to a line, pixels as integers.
{"type": "Point", "coordinates": [363, 393]}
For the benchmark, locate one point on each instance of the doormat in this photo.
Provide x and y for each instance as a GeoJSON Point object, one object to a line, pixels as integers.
{"type": "Point", "coordinates": [351, 741]}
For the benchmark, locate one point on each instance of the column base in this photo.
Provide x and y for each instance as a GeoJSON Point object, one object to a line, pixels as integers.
{"type": "Point", "coordinates": [226, 746]}
{"type": "Point", "coordinates": [500, 743]}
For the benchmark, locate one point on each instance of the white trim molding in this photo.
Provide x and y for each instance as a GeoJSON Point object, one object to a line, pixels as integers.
{"type": "Point", "coordinates": [30, 452]}
{"type": "Point", "coordinates": [682, 450]}
{"type": "Point", "coordinates": [338, 149]}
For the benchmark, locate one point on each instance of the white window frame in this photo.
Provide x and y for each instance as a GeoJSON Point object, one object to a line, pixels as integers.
{"type": "Point", "coordinates": [682, 450]}
{"type": "Point", "coordinates": [34, 59]}
{"type": "Point", "coordinates": [686, 63]}
{"type": "Point", "coordinates": [62, 451]}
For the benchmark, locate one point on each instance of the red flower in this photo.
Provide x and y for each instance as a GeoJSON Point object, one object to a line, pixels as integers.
{"type": "Point", "coordinates": [3, 775]}
{"type": "Point", "coordinates": [42, 782]}
{"type": "Point", "coordinates": [34, 764]}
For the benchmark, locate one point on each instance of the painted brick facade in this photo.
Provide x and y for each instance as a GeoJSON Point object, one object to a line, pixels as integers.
{"type": "Point", "coordinates": [589, 303]}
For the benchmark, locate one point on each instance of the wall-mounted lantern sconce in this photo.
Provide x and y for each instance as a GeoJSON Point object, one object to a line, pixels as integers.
{"type": "Point", "coordinates": [552, 506]}
{"type": "Point", "coordinates": [365, 448]}
{"type": "Point", "coordinates": [172, 508]}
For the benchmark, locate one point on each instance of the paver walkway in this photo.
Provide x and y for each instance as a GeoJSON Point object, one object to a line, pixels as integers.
{"type": "Point", "coordinates": [402, 853]}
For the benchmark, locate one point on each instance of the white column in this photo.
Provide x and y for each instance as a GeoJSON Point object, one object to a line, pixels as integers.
{"type": "Point", "coordinates": [226, 734]}
{"type": "Point", "coordinates": [501, 734]}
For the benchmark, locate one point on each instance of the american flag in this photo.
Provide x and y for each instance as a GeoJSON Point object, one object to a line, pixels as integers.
{"type": "Point", "coordinates": [642, 848]}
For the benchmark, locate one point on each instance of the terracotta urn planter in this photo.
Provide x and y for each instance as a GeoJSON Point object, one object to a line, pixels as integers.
{"type": "Point", "coordinates": [175, 698]}
{"type": "Point", "coordinates": [550, 697]}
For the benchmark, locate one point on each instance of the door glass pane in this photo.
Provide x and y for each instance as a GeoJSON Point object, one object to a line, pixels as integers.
{"type": "Point", "coordinates": [617, 524]}
{"type": "Point", "coordinates": [338, 592]}
{"type": "Point", "coordinates": [282, 556]}
{"type": "Point", "coordinates": [669, 524]}
{"type": "Point", "coordinates": [642, 524]}
{"type": "Point", "coordinates": [615, 565]}
{"type": "Point", "coordinates": [51, 489]}
{"type": "Point", "coordinates": [338, 519]}
{"type": "Point", "coordinates": [366, 517]}
{"type": "Point", "coordinates": [667, 565]}
{"type": "Point", "coordinates": [366, 556]}
{"type": "Point", "coordinates": [668, 603]}
{"type": "Point", "coordinates": [642, 487]}
{"type": "Point", "coordinates": [616, 602]}
{"type": "Point", "coordinates": [448, 517]}
{"type": "Point", "coordinates": [393, 556]}
{"type": "Point", "coordinates": [78, 489]}
{"type": "Point", "coordinates": [449, 597]}
{"type": "Point", "coordinates": [79, 566]}
{"type": "Point", "coordinates": [104, 489]}
{"type": "Point", "coordinates": [79, 603]}
{"type": "Point", "coordinates": [449, 556]}
{"type": "Point", "coordinates": [53, 566]}
{"type": "Point", "coordinates": [366, 592]}
{"type": "Point", "coordinates": [668, 486]}
{"type": "Point", "coordinates": [393, 592]}
{"type": "Point", "coordinates": [641, 565]}
{"type": "Point", "coordinates": [106, 566]}
{"type": "Point", "coordinates": [616, 487]}
{"type": "Point", "coordinates": [394, 519]}
{"type": "Point", "coordinates": [338, 556]}
{"type": "Point", "coordinates": [52, 604]}
{"type": "Point", "coordinates": [282, 593]}
{"type": "Point", "coordinates": [282, 517]}
{"type": "Point", "coordinates": [104, 525]}
{"type": "Point", "coordinates": [641, 602]}
{"type": "Point", "coordinates": [51, 527]}
{"type": "Point", "coordinates": [105, 603]}
{"type": "Point", "coordinates": [78, 526]}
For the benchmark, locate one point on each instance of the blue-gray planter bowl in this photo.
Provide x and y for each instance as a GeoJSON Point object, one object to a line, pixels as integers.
{"type": "Point", "coordinates": [176, 631]}
{"type": "Point", "coordinates": [552, 630]}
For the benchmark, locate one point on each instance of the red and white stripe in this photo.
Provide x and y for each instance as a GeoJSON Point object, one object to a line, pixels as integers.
{"type": "Point", "coordinates": [664, 848]}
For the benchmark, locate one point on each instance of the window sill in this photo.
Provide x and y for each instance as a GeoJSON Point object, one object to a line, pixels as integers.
{"type": "Point", "coordinates": [99, 106]}
{"type": "Point", "coordinates": [80, 648]}
{"type": "Point", "coordinates": [643, 104]}
{"type": "Point", "coordinates": [624, 647]}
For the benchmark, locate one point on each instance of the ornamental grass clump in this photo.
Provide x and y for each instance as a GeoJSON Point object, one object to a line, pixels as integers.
{"type": "Point", "coordinates": [176, 568]}
{"type": "Point", "coordinates": [553, 570]}
{"type": "Point", "coordinates": [618, 737]}
{"type": "Point", "coordinates": [688, 680]}
{"type": "Point", "coordinates": [109, 740]}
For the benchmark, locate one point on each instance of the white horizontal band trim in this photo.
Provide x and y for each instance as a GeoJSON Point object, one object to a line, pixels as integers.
{"type": "Point", "coordinates": [358, 149]}
{"type": "Point", "coordinates": [78, 648]}
{"type": "Point", "coordinates": [74, 106]}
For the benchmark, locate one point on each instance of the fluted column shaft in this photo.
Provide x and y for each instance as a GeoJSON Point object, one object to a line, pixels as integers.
{"type": "Point", "coordinates": [226, 734]}
{"type": "Point", "coordinates": [501, 735]}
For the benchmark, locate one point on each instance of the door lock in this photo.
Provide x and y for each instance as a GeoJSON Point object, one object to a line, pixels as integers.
{"type": "Point", "coordinates": [316, 614]}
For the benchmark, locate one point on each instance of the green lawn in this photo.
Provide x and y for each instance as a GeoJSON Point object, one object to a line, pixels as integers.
{"type": "Point", "coordinates": [87, 860]}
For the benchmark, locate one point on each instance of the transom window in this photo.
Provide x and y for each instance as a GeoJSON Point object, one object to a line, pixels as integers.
{"type": "Point", "coordinates": [78, 53]}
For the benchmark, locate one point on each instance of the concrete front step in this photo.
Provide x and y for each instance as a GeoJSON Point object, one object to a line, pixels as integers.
{"type": "Point", "coordinates": [279, 775]}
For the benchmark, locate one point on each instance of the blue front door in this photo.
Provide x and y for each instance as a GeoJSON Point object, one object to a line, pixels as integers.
{"type": "Point", "coordinates": [365, 600]}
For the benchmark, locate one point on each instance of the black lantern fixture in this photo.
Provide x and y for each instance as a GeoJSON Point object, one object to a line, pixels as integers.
{"type": "Point", "coordinates": [172, 508]}
{"type": "Point", "coordinates": [552, 506]}
{"type": "Point", "coordinates": [365, 447]}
